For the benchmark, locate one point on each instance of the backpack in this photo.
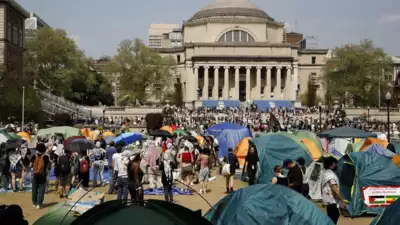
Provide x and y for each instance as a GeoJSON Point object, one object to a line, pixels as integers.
{"type": "Point", "coordinates": [38, 165]}
{"type": "Point", "coordinates": [64, 165]}
{"type": "Point", "coordinates": [98, 154]}
{"type": "Point", "coordinates": [83, 166]}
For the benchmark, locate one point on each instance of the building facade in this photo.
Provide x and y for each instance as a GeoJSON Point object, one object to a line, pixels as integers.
{"type": "Point", "coordinates": [233, 50]}
{"type": "Point", "coordinates": [33, 23]}
{"type": "Point", "coordinates": [12, 32]}
{"type": "Point", "coordinates": [159, 32]}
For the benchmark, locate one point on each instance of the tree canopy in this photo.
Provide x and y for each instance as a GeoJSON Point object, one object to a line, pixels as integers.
{"type": "Point", "coordinates": [140, 71]}
{"type": "Point", "coordinates": [356, 72]}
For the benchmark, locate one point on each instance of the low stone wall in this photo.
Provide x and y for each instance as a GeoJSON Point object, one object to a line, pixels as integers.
{"type": "Point", "coordinates": [375, 114]}
{"type": "Point", "coordinates": [123, 111]}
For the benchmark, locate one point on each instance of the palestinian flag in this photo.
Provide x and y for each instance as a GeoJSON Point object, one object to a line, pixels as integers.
{"type": "Point", "coordinates": [273, 120]}
{"type": "Point", "coordinates": [377, 200]}
{"type": "Point", "coordinates": [391, 199]}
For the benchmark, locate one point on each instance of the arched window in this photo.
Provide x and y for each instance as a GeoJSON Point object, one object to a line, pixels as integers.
{"type": "Point", "coordinates": [236, 36]}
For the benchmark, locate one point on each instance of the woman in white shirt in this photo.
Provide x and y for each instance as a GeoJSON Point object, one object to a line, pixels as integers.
{"type": "Point", "coordinates": [122, 180]}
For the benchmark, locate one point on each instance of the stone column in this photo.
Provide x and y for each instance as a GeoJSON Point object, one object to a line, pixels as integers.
{"type": "Point", "coordinates": [248, 90]}
{"type": "Point", "coordinates": [267, 88]}
{"type": "Point", "coordinates": [216, 84]}
{"type": "Point", "coordinates": [226, 83]}
{"type": "Point", "coordinates": [288, 88]}
{"type": "Point", "coordinates": [278, 86]}
{"type": "Point", "coordinates": [205, 87]}
{"type": "Point", "coordinates": [258, 83]}
{"type": "Point", "coordinates": [236, 95]}
{"type": "Point", "coordinates": [295, 80]}
{"type": "Point", "coordinates": [195, 83]}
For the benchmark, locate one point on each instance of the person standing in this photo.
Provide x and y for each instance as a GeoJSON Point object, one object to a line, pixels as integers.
{"type": "Point", "coordinates": [40, 164]}
{"type": "Point", "coordinates": [64, 169]}
{"type": "Point", "coordinates": [204, 169]}
{"type": "Point", "coordinates": [122, 180]}
{"type": "Point", "coordinates": [98, 165]}
{"type": "Point", "coordinates": [135, 177]}
{"type": "Point", "coordinates": [166, 167]}
{"type": "Point", "coordinates": [16, 167]}
{"type": "Point", "coordinates": [84, 170]}
{"type": "Point", "coordinates": [233, 163]}
{"type": "Point", "coordinates": [186, 160]}
{"type": "Point", "coordinates": [109, 156]}
{"type": "Point", "coordinates": [279, 178]}
{"type": "Point", "coordinates": [331, 197]}
{"type": "Point", "coordinates": [253, 164]}
{"type": "Point", "coordinates": [295, 175]}
{"type": "Point", "coordinates": [305, 187]}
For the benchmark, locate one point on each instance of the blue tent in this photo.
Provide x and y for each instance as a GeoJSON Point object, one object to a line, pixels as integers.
{"type": "Point", "coordinates": [358, 170]}
{"type": "Point", "coordinates": [228, 135]}
{"type": "Point", "coordinates": [264, 105]}
{"type": "Point", "coordinates": [266, 204]}
{"type": "Point", "coordinates": [390, 216]}
{"type": "Point", "coordinates": [273, 149]}
{"type": "Point", "coordinates": [128, 138]}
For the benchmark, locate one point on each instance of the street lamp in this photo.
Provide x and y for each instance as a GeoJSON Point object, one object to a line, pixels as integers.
{"type": "Point", "coordinates": [368, 115]}
{"type": "Point", "coordinates": [388, 100]}
{"type": "Point", "coordinates": [320, 115]}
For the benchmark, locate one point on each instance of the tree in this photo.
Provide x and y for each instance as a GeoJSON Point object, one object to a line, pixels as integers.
{"type": "Point", "coordinates": [354, 73]}
{"type": "Point", "coordinates": [310, 98]}
{"type": "Point", "coordinates": [140, 70]}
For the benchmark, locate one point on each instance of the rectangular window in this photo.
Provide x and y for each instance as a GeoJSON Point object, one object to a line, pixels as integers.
{"type": "Point", "coordinates": [178, 58]}
{"type": "Point", "coordinates": [21, 39]}
{"type": "Point", "coordinates": [9, 31]}
{"type": "Point", "coordinates": [313, 60]}
{"type": "Point", "coordinates": [15, 35]}
{"type": "Point", "coordinates": [314, 77]}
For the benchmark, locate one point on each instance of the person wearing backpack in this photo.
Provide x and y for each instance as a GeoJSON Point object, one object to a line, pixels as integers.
{"type": "Point", "coordinates": [305, 188]}
{"type": "Point", "coordinates": [84, 169]}
{"type": "Point", "coordinates": [40, 164]}
{"type": "Point", "coordinates": [64, 170]}
{"type": "Point", "coordinates": [98, 165]}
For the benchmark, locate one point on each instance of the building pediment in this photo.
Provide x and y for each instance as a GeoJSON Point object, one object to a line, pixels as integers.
{"type": "Point", "coordinates": [235, 20]}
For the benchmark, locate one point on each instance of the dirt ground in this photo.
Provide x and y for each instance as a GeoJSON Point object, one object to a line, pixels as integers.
{"type": "Point", "coordinates": [194, 202]}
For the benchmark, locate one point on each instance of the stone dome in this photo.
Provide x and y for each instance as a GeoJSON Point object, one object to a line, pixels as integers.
{"type": "Point", "coordinates": [230, 8]}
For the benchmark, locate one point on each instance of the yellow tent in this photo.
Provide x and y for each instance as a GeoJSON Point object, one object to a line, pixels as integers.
{"type": "Point", "coordinates": [92, 136]}
{"type": "Point", "coordinates": [241, 150]}
{"type": "Point", "coordinates": [167, 128]}
{"type": "Point", "coordinates": [25, 136]}
{"type": "Point", "coordinates": [370, 141]}
{"type": "Point", "coordinates": [312, 148]}
{"type": "Point", "coordinates": [108, 133]}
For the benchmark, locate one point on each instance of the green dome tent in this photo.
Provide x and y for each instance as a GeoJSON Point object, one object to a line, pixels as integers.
{"type": "Point", "coordinates": [311, 136]}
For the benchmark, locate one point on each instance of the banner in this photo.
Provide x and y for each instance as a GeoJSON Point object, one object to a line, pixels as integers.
{"type": "Point", "coordinates": [380, 196]}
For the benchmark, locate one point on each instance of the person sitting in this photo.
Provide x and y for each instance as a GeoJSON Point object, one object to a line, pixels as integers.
{"type": "Point", "coordinates": [279, 178]}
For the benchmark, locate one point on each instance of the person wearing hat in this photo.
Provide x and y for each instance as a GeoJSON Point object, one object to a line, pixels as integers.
{"type": "Point", "coordinates": [295, 175]}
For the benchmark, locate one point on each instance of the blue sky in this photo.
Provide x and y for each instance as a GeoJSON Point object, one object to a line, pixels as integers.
{"type": "Point", "coordinates": [99, 25]}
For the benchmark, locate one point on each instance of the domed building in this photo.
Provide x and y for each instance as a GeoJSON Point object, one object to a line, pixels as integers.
{"type": "Point", "coordinates": [232, 50]}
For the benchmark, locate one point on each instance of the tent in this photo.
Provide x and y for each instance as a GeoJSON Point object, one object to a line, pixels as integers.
{"type": "Point", "coordinates": [312, 148]}
{"type": "Point", "coordinates": [354, 147]}
{"type": "Point", "coordinates": [273, 148]}
{"type": "Point", "coordinates": [390, 216]}
{"type": "Point", "coordinates": [56, 214]}
{"type": "Point", "coordinates": [258, 204]}
{"type": "Point", "coordinates": [228, 135]}
{"type": "Point", "coordinates": [370, 141]}
{"type": "Point", "coordinates": [65, 131]}
{"type": "Point", "coordinates": [128, 138]}
{"type": "Point", "coordinates": [346, 132]}
{"type": "Point", "coordinates": [359, 170]}
{"type": "Point", "coordinates": [149, 212]}
{"type": "Point", "coordinates": [241, 150]}
{"type": "Point", "coordinates": [311, 136]}
{"type": "Point", "coordinates": [313, 175]}
{"type": "Point", "coordinates": [4, 136]}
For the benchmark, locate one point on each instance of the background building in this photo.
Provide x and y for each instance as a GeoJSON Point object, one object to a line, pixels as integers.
{"type": "Point", "coordinates": [158, 32]}
{"type": "Point", "coordinates": [33, 23]}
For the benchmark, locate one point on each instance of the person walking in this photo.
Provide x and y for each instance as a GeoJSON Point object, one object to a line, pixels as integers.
{"type": "Point", "coordinates": [109, 156]}
{"type": "Point", "coordinates": [233, 163]}
{"type": "Point", "coordinates": [253, 165]}
{"type": "Point", "coordinates": [331, 197]}
{"type": "Point", "coordinates": [98, 164]}
{"type": "Point", "coordinates": [84, 170]}
{"type": "Point", "coordinates": [295, 175]}
{"type": "Point", "coordinates": [40, 164]}
{"type": "Point", "coordinates": [166, 167]}
{"type": "Point", "coordinates": [16, 168]}
{"type": "Point", "coordinates": [135, 177]}
{"type": "Point", "coordinates": [122, 170]}
{"type": "Point", "coordinates": [186, 160]}
{"type": "Point", "coordinates": [64, 169]}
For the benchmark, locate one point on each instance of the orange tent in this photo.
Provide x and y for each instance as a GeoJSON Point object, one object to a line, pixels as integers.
{"type": "Point", "coordinates": [167, 128]}
{"type": "Point", "coordinates": [370, 141]}
{"type": "Point", "coordinates": [200, 139]}
{"type": "Point", "coordinates": [241, 150]}
{"type": "Point", "coordinates": [396, 160]}
{"type": "Point", "coordinates": [312, 148]}
{"type": "Point", "coordinates": [85, 132]}
{"type": "Point", "coordinates": [25, 136]}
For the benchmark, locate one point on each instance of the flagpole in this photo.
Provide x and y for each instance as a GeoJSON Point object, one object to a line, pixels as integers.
{"type": "Point", "coordinates": [23, 109]}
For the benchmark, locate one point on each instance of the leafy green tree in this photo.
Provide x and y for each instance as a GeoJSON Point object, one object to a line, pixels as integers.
{"type": "Point", "coordinates": [140, 70]}
{"type": "Point", "coordinates": [355, 73]}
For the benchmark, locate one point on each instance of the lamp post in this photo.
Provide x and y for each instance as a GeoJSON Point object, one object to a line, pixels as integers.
{"type": "Point", "coordinates": [388, 100]}
{"type": "Point", "coordinates": [368, 115]}
{"type": "Point", "coordinates": [320, 115]}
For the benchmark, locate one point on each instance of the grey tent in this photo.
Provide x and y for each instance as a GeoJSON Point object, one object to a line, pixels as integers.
{"type": "Point", "coordinates": [346, 132]}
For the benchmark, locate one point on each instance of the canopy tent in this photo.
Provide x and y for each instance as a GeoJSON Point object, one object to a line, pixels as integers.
{"type": "Point", "coordinates": [390, 216]}
{"type": "Point", "coordinates": [65, 131]}
{"type": "Point", "coordinates": [312, 148]}
{"type": "Point", "coordinates": [358, 170]}
{"type": "Point", "coordinates": [258, 204]}
{"type": "Point", "coordinates": [311, 136]}
{"type": "Point", "coordinates": [273, 148]}
{"type": "Point", "coordinates": [370, 141]}
{"type": "Point", "coordinates": [354, 147]}
{"type": "Point", "coordinates": [346, 132]}
{"type": "Point", "coordinates": [149, 212]}
{"type": "Point", "coordinates": [313, 175]}
{"type": "Point", "coordinates": [241, 150]}
{"type": "Point", "coordinates": [228, 135]}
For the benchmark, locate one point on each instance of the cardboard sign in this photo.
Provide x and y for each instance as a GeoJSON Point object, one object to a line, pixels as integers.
{"type": "Point", "coordinates": [380, 196]}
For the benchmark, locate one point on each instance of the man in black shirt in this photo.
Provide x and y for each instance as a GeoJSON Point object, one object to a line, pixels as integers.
{"type": "Point", "coordinates": [40, 164]}
{"type": "Point", "coordinates": [295, 175]}
{"type": "Point", "coordinates": [253, 164]}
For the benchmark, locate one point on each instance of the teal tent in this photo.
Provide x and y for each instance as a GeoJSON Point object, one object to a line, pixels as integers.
{"type": "Point", "coordinates": [273, 149]}
{"type": "Point", "coordinates": [346, 132]}
{"type": "Point", "coordinates": [56, 215]}
{"type": "Point", "coordinates": [390, 216]}
{"type": "Point", "coordinates": [358, 170]}
{"type": "Point", "coordinates": [266, 204]}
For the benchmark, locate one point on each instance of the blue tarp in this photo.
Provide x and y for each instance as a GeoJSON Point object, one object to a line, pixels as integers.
{"type": "Point", "coordinates": [128, 138]}
{"type": "Point", "coordinates": [390, 216]}
{"type": "Point", "coordinates": [228, 135]}
{"type": "Point", "coordinates": [380, 150]}
{"type": "Point", "coordinates": [357, 170]}
{"type": "Point", "coordinates": [273, 149]}
{"type": "Point", "coordinates": [222, 103]}
{"type": "Point", "coordinates": [268, 104]}
{"type": "Point", "coordinates": [266, 204]}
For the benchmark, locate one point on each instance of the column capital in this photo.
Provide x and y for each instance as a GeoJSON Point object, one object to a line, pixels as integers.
{"type": "Point", "coordinates": [248, 67]}
{"type": "Point", "coordinates": [217, 67]}
{"type": "Point", "coordinates": [278, 67]}
{"type": "Point", "coordinates": [206, 67]}
{"type": "Point", "coordinates": [196, 67]}
{"type": "Point", "coordinates": [227, 67]}
{"type": "Point", "coordinates": [237, 67]}
{"type": "Point", "coordinates": [288, 67]}
{"type": "Point", "coordinates": [259, 67]}
{"type": "Point", "coordinates": [269, 67]}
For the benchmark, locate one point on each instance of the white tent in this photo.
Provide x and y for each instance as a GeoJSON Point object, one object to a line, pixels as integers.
{"type": "Point", "coordinates": [314, 175]}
